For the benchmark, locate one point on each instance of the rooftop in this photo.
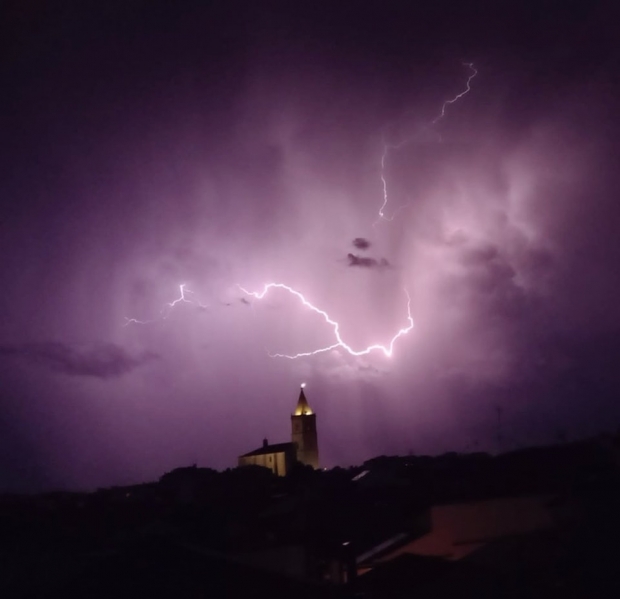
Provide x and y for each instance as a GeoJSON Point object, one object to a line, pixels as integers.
{"type": "Point", "coordinates": [275, 448]}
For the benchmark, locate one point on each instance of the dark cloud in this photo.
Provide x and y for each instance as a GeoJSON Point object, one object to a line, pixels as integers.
{"type": "Point", "coordinates": [367, 262]}
{"type": "Point", "coordinates": [480, 255]}
{"type": "Point", "coordinates": [361, 243]}
{"type": "Point", "coordinates": [103, 361]}
{"type": "Point", "coordinates": [488, 283]}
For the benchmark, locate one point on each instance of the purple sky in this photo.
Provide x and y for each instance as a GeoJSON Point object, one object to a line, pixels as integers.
{"type": "Point", "coordinates": [146, 145]}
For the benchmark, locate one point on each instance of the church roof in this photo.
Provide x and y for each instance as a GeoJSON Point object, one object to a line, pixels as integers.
{"type": "Point", "coordinates": [302, 409]}
{"type": "Point", "coordinates": [275, 448]}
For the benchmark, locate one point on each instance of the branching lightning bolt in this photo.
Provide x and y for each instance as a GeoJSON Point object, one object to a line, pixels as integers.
{"type": "Point", "coordinates": [387, 147]}
{"type": "Point", "coordinates": [467, 89]}
{"type": "Point", "coordinates": [386, 349]}
{"type": "Point", "coordinates": [168, 307]}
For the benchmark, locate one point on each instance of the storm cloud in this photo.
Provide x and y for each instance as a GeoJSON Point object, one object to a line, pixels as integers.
{"type": "Point", "coordinates": [104, 361]}
{"type": "Point", "coordinates": [366, 262]}
{"type": "Point", "coordinates": [153, 145]}
{"type": "Point", "coordinates": [361, 244]}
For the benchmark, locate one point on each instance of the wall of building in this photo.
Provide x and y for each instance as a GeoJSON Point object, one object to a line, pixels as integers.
{"type": "Point", "coordinates": [304, 435]}
{"type": "Point", "coordinates": [276, 462]}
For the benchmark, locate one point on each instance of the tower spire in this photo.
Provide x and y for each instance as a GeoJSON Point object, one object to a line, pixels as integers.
{"type": "Point", "coordinates": [302, 409]}
{"type": "Point", "coordinates": [303, 424]}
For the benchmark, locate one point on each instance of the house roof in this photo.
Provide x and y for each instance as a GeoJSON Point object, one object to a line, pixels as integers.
{"type": "Point", "coordinates": [267, 449]}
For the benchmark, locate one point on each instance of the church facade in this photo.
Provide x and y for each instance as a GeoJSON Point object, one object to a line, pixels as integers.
{"type": "Point", "coordinates": [304, 446]}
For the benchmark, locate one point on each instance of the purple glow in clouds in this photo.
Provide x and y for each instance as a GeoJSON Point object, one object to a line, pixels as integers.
{"type": "Point", "coordinates": [157, 155]}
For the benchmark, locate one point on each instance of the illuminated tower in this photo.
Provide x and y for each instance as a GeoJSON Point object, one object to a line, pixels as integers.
{"type": "Point", "coordinates": [303, 425]}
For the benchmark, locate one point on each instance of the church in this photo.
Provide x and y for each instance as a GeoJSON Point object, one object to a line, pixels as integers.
{"type": "Point", "coordinates": [304, 447]}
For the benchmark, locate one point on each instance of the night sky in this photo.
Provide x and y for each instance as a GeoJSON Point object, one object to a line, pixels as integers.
{"type": "Point", "coordinates": [148, 145]}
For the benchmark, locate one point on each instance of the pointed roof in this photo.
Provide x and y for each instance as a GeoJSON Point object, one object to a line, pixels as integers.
{"type": "Point", "coordinates": [302, 409]}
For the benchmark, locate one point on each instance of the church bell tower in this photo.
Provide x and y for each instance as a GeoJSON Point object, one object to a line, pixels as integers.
{"type": "Point", "coordinates": [303, 425]}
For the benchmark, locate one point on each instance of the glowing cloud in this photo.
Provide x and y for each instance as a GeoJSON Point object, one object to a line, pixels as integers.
{"type": "Point", "coordinates": [387, 147]}
{"type": "Point", "coordinates": [355, 261]}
